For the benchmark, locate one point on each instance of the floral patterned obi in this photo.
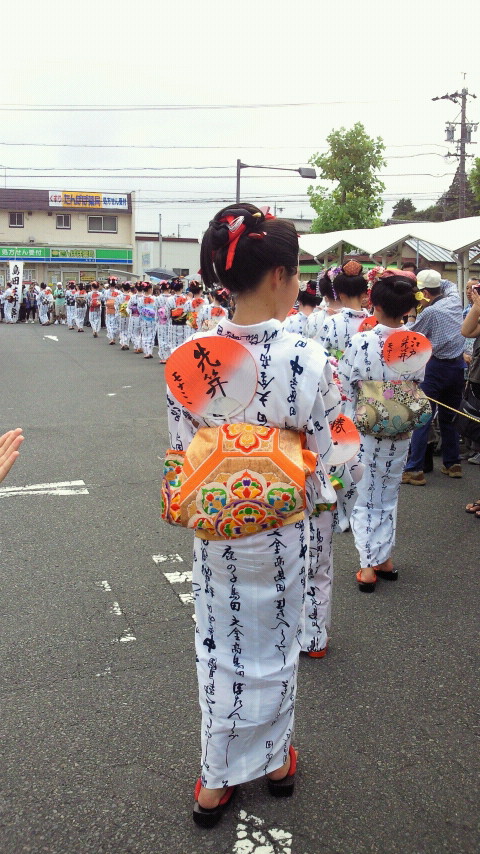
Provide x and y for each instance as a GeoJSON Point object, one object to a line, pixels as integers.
{"type": "Point", "coordinates": [390, 409]}
{"type": "Point", "coordinates": [236, 480]}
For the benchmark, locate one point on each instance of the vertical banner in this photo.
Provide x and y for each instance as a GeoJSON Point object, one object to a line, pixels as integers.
{"type": "Point", "coordinates": [16, 284]}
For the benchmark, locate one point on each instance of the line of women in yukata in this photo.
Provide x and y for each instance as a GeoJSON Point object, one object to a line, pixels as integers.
{"type": "Point", "coordinates": [140, 315]}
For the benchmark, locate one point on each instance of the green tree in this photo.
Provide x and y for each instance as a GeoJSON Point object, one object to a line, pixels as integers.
{"type": "Point", "coordinates": [403, 209]}
{"type": "Point", "coordinates": [352, 162]}
{"type": "Point", "coordinates": [446, 207]}
{"type": "Point", "coordinates": [474, 179]}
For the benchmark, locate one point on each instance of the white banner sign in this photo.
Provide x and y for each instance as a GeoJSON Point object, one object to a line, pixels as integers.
{"type": "Point", "coordinates": [16, 284]}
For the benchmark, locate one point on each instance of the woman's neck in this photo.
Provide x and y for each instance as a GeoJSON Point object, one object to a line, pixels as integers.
{"type": "Point", "coordinates": [354, 303]}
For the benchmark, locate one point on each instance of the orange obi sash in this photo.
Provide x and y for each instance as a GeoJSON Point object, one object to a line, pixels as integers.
{"type": "Point", "coordinates": [236, 480]}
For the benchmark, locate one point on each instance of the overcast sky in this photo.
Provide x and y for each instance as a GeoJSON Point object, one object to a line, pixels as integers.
{"type": "Point", "coordinates": [325, 65]}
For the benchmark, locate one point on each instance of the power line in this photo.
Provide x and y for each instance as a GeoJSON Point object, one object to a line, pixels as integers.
{"type": "Point", "coordinates": [172, 168]}
{"type": "Point", "coordinates": [124, 108]}
{"type": "Point", "coordinates": [204, 147]}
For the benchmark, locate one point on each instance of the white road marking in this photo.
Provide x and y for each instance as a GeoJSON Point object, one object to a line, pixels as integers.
{"type": "Point", "coordinates": [172, 558]}
{"type": "Point", "coordinates": [126, 386]}
{"type": "Point", "coordinates": [106, 672]}
{"type": "Point", "coordinates": [178, 577]}
{"type": "Point", "coordinates": [51, 337]}
{"type": "Point", "coordinates": [254, 838]}
{"type": "Point", "coordinates": [127, 635]}
{"type": "Point", "coordinates": [112, 394]}
{"type": "Point", "coordinates": [104, 585]}
{"type": "Point", "coordinates": [64, 487]}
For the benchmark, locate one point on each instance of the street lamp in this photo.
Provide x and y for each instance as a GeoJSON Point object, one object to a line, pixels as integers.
{"type": "Point", "coordinates": [303, 171]}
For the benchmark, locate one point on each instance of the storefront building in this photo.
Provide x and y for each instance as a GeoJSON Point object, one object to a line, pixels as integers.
{"type": "Point", "coordinates": [63, 235]}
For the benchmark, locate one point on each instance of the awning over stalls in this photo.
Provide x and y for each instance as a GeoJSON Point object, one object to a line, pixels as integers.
{"type": "Point", "coordinates": [456, 235]}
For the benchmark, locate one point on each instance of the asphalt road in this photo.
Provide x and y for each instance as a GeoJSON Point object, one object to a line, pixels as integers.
{"type": "Point", "coordinates": [99, 723]}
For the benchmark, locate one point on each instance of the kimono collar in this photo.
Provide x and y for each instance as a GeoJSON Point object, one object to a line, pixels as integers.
{"type": "Point", "coordinates": [260, 332]}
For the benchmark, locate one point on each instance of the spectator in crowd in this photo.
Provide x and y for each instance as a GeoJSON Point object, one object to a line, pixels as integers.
{"type": "Point", "coordinates": [440, 320]}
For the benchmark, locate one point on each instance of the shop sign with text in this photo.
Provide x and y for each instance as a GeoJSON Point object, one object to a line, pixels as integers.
{"type": "Point", "coordinates": [87, 201]}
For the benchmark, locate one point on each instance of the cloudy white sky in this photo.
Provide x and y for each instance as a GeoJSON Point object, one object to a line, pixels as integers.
{"type": "Point", "coordinates": [302, 68]}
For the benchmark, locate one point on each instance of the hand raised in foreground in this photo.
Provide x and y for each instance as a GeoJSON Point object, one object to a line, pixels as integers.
{"type": "Point", "coordinates": [9, 445]}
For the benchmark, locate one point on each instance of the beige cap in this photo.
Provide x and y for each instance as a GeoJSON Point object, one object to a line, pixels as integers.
{"type": "Point", "coordinates": [428, 279]}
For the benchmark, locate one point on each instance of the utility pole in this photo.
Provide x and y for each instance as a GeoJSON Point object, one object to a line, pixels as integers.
{"type": "Point", "coordinates": [465, 138]}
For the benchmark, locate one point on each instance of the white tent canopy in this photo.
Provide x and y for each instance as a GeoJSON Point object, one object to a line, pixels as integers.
{"type": "Point", "coordinates": [456, 235]}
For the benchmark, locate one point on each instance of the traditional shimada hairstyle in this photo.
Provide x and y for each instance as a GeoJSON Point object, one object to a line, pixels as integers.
{"type": "Point", "coordinates": [350, 281]}
{"type": "Point", "coordinates": [242, 243]}
{"type": "Point", "coordinates": [394, 291]}
{"type": "Point", "coordinates": [307, 295]}
{"type": "Point", "coordinates": [194, 287]}
{"type": "Point", "coordinates": [325, 281]}
{"type": "Point", "coordinates": [222, 295]}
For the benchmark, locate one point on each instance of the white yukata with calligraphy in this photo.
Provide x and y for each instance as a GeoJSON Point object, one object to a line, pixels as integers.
{"type": "Point", "coordinates": [210, 315]}
{"type": "Point", "coordinates": [121, 309]}
{"type": "Point", "coordinates": [338, 330]}
{"type": "Point", "coordinates": [8, 301]}
{"type": "Point", "coordinates": [296, 323]}
{"type": "Point", "coordinates": [80, 308]}
{"type": "Point", "coordinates": [250, 592]}
{"type": "Point", "coordinates": [336, 335]}
{"type": "Point", "coordinates": [148, 315]}
{"type": "Point", "coordinates": [134, 329]}
{"type": "Point", "coordinates": [94, 301]}
{"type": "Point", "coordinates": [374, 517]}
{"type": "Point", "coordinates": [70, 306]}
{"type": "Point", "coordinates": [162, 328]}
{"type": "Point", "coordinates": [45, 303]}
{"type": "Point", "coordinates": [111, 314]}
{"type": "Point", "coordinates": [178, 307]}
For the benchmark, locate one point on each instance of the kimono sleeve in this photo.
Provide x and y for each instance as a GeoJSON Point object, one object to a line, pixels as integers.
{"type": "Point", "coordinates": [326, 334]}
{"type": "Point", "coordinates": [181, 426]}
{"type": "Point", "coordinates": [326, 407]}
{"type": "Point", "coordinates": [349, 366]}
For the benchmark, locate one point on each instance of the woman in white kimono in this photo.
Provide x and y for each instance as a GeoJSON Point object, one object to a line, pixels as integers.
{"type": "Point", "coordinates": [162, 324]}
{"type": "Point", "coordinates": [350, 288]}
{"type": "Point", "coordinates": [134, 329]}
{"type": "Point", "coordinates": [373, 519]}
{"type": "Point", "coordinates": [70, 303]}
{"type": "Point", "coordinates": [8, 301]}
{"type": "Point", "coordinates": [212, 313]}
{"type": "Point", "coordinates": [197, 302]}
{"type": "Point", "coordinates": [45, 303]}
{"type": "Point", "coordinates": [308, 300]}
{"type": "Point", "coordinates": [111, 315]}
{"type": "Point", "coordinates": [80, 308]}
{"type": "Point", "coordinates": [94, 301]}
{"type": "Point", "coordinates": [121, 309]}
{"type": "Point", "coordinates": [329, 306]}
{"type": "Point", "coordinates": [249, 592]}
{"type": "Point", "coordinates": [148, 316]}
{"type": "Point", "coordinates": [178, 308]}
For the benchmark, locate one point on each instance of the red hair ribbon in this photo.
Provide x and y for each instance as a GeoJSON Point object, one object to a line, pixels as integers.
{"type": "Point", "coordinates": [236, 227]}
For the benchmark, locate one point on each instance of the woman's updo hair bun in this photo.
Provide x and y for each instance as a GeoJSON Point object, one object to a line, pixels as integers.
{"type": "Point", "coordinates": [350, 281]}
{"type": "Point", "coordinates": [325, 287]}
{"type": "Point", "coordinates": [394, 292]}
{"type": "Point", "coordinates": [242, 243]}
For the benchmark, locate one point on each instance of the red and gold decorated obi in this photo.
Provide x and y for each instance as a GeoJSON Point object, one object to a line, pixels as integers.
{"type": "Point", "coordinates": [236, 480]}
